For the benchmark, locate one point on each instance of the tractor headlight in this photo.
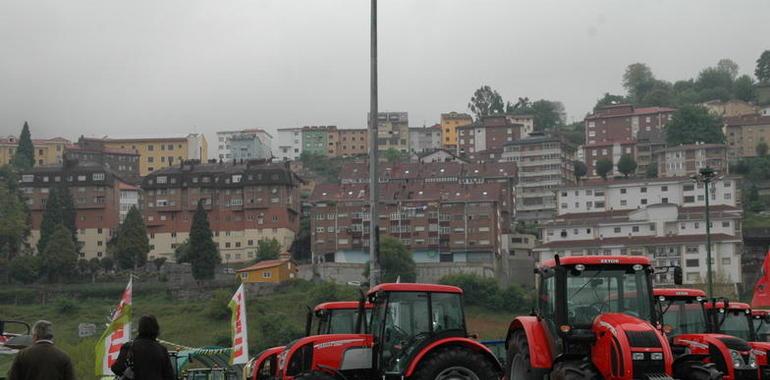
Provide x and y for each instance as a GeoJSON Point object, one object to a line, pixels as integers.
{"type": "Point", "coordinates": [752, 360]}
{"type": "Point", "coordinates": [637, 356]}
{"type": "Point", "coordinates": [737, 359]}
{"type": "Point", "coordinates": [656, 356]}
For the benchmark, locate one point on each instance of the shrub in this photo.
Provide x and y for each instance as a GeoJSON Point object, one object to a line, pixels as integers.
{"type": "Point", "coordinates": [485, 292]}
{"type": "Point", "coordinates": [217, 306]}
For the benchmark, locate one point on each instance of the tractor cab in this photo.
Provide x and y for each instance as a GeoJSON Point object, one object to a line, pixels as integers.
{"type": "Point", "coordinates": [735, 318]}
{"type": "Point", "coordinates": [595, 317]}
{"type": "Point", "coordinates": [761, 321]}
{"type": "Point", "coordinates": [695, 348]}
{"type": "Point", "coordinates": [416, 331]}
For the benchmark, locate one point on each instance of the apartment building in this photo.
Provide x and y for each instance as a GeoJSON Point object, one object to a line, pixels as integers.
{"type": "Point", "coordinates": [687, 160]}
{"type": "Point", "coordinates": [157, 153]}
{"type": "Point", "coordinates": [438, 222]}
{"type": "Point", "coordinates": [744, 133]}
{"type": "Point", "coordinates": [449, 123]}
{"type": "Point", "coordinates": [661, 218]}
{"type": "Point", "coordinates": [527, 123]}
{"type": "Point", "coordinates": [101, 199]}
{"type": "Point", "coordinates": [288, 145]}
{"type": "Point", "coordinates": [544, 165]}
{"type": "Point", "coordinates": [491, 133]}
{"type": "Point", "coordinates": [257, 143]}
{"type": "Point", "coordinates": [425, 139]}
{"type": "Point", "coordinates": [392, 131]}
{"type": "Point", "coordinates": [607, 151]}
{"type": "Point", "coordinates": [315, 139]}
{"type": "Point", "coordinates": [123, 162]}
{"type": "Point", "coordinates": [731, 108]}
{"type": "Point", "coordinates": [353, 142]}
{"type": "Point", "coordinates": [245, 203]}
{"type": "Point", "coordinates": [622, 122]}
{"type": "Point", "coordinates": [47, 151]}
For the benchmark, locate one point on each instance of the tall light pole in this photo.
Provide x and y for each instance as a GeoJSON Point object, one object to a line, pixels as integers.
{"type": "Point", "coordinates": [706, 176]}
{"type": "Point", "coordinates": [374, 259]}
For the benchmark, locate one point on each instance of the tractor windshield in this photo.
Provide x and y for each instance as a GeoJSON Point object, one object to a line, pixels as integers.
{"type": "Point", "coordinates": [340, 321]}
{"type": "Point", "coordinates": [685, 316]}
{"type": "Point", "coordinates": [594, 291]}
{"type": "Point", "coordinates": [403, 320]}
{"type": "Point", "coordinates": [762, 329]}
{"type": "Point", "coordinates": [736, 323]}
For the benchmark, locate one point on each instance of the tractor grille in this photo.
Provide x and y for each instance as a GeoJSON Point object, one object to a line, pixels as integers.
{"type": "Point", "coordinates": [736, 344]}
{"type": "Point", "coordinates": [746, 374]}
{"type": "Point", "coordinates": [642, 368]}
{"type": "Point", "coordinates": [643, 339]}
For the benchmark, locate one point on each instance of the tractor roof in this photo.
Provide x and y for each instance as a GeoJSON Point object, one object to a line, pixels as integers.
{"type": "Point", "coordinates": [412, 287]}
{"type": "Point", "coordinates": [678, 292]}
{"type": "Point", "coordinates": [340, 305]}
{"type": "Point", "coordinates": [759, 313]}
{"type": "Point", "coordinates": [599, 260]}
{"type": "Point", "coordinates": [732, 305]}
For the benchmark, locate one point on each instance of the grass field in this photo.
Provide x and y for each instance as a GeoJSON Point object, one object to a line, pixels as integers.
{"type": "Point", "coordinates": [272, 319]}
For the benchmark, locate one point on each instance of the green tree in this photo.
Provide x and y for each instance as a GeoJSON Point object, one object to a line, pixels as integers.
{"type": "Point", "coordinates": [575, 132]}
{"type": "Point", "coordinates": [14, 222]}
{"type": "Point", "coordinates": [713, 80]}
{"type": "Point", "coordinates": [182, 252]}
{"type": "Point", "coordinates": [609, 99]}
{"type": "Point", "coordinates": [486, 101]}
{"type": "Point", "coordinates": [393, 155]}
{"type": "Point", "coordinates": [547, 114]}
{"type": "Point", "coordinates": [603, 167]}
{"type": "Point", "coordinates": [626, 165]}
{"type": "Point", "coordinates": [132, 244]}
{"type": "Point", "coordinates": [744, 88]}
{"type": "Point", "coordinates": [25, 268]}
{"type": "Point", "coordinates": [268, 249]}
{"type": "Point", "coordinates": [762, 149]}
{"type": "Point", "coordinates": [762, 71]}
{"type": "Point", "coordinates": [516, 108]}
{"type": "Point", "coordinates": [94, 265]}
{"type": "Point", "coordinates": [52, 217]}
{"type": "Point", "coordinates": [580, 170]}
{"type": "Point", "coordinates": [300, 247]}
{"type": "Point", "coordinates": [59, 258]}
{"type": "Point", "coordinates": [660, 94]}
{"type": "Point", "coordinates": [69, 213]}
{"type": "Point", "coordinates": [395, 261]}
{"type": "Point", "coordinates": [24, 157]}
{"type": "Point", "coordinates": [638, 80]}
{"type": "Point", "coordinates": [203, 253]}
{"type": "Point", "coordinates": [729, 67]}
{"type": "Point", "coordinates": [652, 171]}
{"type": "Point", "coordinates": [107, 264]}
{"type": "Point", "coordinates": [694, 123]}
{"type": "Point", "coordinates": [159, 261]}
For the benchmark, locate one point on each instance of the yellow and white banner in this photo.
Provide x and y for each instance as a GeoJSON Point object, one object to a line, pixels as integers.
{"type": "Point", "coordinates": [118, 333]}
{"type": "Point", "coordinates": [240, 353]}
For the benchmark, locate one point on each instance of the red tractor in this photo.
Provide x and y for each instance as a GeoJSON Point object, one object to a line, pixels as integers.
{"type": "Point", "coordinates": [761, 319]}
{"type": "Point", "coordinates": [417, 332]}
{"type": "Point", "coordinates": [595, 318]}
{"type": "Point", "coordinates": [698, 353]}
{"type": "Point", "coordinates": [734, 318]}
{"type": "Point", "coordinates": [328, 318]}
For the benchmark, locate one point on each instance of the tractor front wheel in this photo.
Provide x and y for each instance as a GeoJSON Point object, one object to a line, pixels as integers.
{"type": "Point", "coordinates": [574, 371]}
{"type": "Point", "coordinates": [695, 370]}
{"type": "Point", "coordinates": [315, 375]}
{"type": "Point", "coordinates": [456, 363]}
{"type": "Point", "coordinates": [518, 366]}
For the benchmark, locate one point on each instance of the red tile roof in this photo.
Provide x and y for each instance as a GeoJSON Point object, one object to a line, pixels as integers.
{"type": "Point", "coordinates": [264, 265]}
{"type": "Point", "coordinates": [736, 121]}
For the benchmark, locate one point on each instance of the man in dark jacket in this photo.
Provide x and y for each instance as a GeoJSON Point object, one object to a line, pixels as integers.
{"type": "Point", "coordinates": [41, 360]}
{"type": "Point", "coordinates": [150, 360]}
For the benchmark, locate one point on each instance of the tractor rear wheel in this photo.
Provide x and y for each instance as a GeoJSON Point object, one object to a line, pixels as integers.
{"type": "Point", "coordinates": [315, 375]}
{"type": "Point", "coordinates": [695, 370]}
{"type": "Point", "coordinates": [456, 363]}
{"type": "Point", "coordinates": [574, 371]}
{"type": "Point", "coordinates": [518, 366]}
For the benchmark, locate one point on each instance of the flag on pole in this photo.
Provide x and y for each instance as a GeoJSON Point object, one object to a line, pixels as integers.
{"type": "Point", "coordinates": [118, 332]}
{"type": "Point", "coordinates": [240, 352]}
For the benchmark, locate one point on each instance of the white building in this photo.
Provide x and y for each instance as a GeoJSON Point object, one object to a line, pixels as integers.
{"type": "Point", "coordinates": [196, 145]}
{"type": "Point", "coordinates": [660, 218]}
{"type": "Point", "coordinates": [224, 149]}
{"type": "Point", "coordinates": [129, 197]}
{"type": "Point", "coordinates": [288, 144]}
{"type": "Point", "coordinates": [527, 123]}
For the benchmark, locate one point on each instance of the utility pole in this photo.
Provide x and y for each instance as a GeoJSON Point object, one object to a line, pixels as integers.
{"type": "Point", "coordinates": [706, 176]}
{"type": "Point", "coordinates": [374, 257]}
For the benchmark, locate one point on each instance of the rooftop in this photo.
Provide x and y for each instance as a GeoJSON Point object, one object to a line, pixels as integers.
{"type": "Point", "coordinates": [264, 265]}
{"type": "Point", "coordinates": [635, 241]}
{"type": "Point", "coordinates": [411, 192]}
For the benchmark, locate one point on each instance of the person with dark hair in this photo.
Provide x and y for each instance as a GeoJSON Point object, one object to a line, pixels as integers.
{"type": "Point", "coordinates": [42, 360]}
{"type": "Point", "coordinates": [146, 358]}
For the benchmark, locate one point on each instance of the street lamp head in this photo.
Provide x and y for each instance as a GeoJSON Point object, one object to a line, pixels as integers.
{"type": "Point", "coordinates": [707, 172]}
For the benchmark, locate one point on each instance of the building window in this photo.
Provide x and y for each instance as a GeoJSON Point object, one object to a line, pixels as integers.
{"type": "Point", "coordinates": [617, 230]}
{"type": "Point", "coordinates": [622, 191]}
{"type": "Point", "coordinates": [692, 263]}
{"type": "Point", "coordinates": [725, 261]}
{"type": "Point", "coordinates": [623, 202]}
{"type": "Point", "coordinates": [643, 189]}
{"type": "Point", "coordinates": [726, 224]}
{"type": "Point", "coordinates": [635, 229]}
{"type": "Point", "coordinates": [267, 274]}
{"type": "Point", "coordinates": [664, 188]}
{"type": "Point", "coordinates": [664, 200]}
{"type": "Point", "coordinates": [689, 199]}
{"type": "Point", "coordinates": [644, 201]}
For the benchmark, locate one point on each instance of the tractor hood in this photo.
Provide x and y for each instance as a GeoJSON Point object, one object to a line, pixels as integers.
{"type": "Point", "coordinates": [638, 333]}
{"type": "Point", "coordinates": [343, 351]}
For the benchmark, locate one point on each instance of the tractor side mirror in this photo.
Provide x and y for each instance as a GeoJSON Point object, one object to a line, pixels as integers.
{"type": "Point", "coordinates": [678, 275]}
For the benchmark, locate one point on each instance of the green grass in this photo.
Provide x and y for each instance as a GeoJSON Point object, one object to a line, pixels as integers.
{"type": "Point", "coordinates": [756, 221]}
{"type": "Point", "coordinates": [272, 319]}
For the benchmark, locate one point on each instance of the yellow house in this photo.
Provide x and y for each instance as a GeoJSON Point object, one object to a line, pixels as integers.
{"type": "Point", "coordinates": [449, 123]}
{"type": "Point", "coordinates": [47, 151]}
{"type": "Point", "coordinates": [268, 271]}
{"type": "Point", "coordinates": [160, 153]}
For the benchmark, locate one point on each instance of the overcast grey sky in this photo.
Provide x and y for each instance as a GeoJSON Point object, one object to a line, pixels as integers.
{"type": "Point", "coordinates": [161, 67]}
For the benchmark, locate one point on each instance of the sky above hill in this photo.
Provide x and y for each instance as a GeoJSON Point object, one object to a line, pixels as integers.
{"type": "Point", "coordinates": [149, 67]}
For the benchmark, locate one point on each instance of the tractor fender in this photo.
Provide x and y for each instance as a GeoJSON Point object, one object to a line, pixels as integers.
{"type": "Point", "coordinates": [539, 344]}
{"type": "Point", "coordinates": [455, 341]}
{"type": "Point", "coordinates": [262, 357]}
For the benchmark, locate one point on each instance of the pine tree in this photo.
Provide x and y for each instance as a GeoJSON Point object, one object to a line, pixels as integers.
{"type": "Point", "coordinates": [69, 214]}
{"type": "Point", "coordinates": [24, 158]}
{"type": "Point", "coordinates": [203, 253]}
{"type": "Point", "coordinates": [132, 244]}
{"type": "Point", "coordinates": [52, 216]}
{"type": "Point", "coordinates": [59, 257]}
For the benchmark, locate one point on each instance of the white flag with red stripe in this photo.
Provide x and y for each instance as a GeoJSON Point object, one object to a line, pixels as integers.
{"type": "Point", "coordinates": [118, 333]}
{"type": "Point", "coordinates": [240, 353]}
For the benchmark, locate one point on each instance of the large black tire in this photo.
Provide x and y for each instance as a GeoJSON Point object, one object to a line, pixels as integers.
{"type": "Point", "coordinates": [582, 370]}
{"type": "Point", "coordinates": [694, 370]}
{"type": "Point", "coordinates": [315, 375]}
{"type": "Point", "coordinates": [456, 363]}
{"type": "Point", "coordinates": [518, 365]}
